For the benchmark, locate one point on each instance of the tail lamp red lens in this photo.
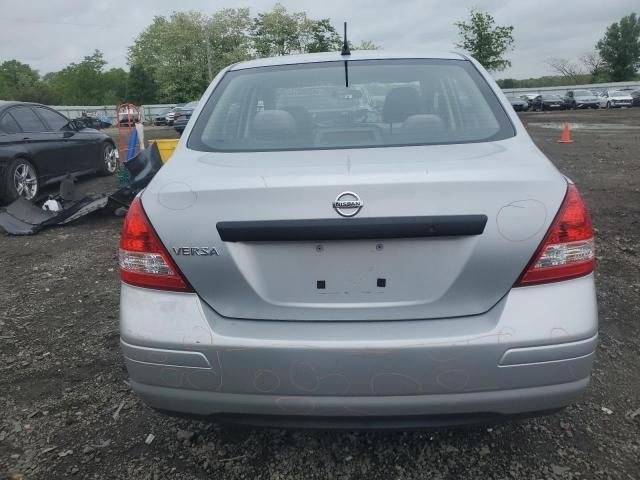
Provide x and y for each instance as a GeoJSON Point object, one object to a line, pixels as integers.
{"type": "Point", "coordinates": [567, 250]}
{"type": "Point", "coordinates": [144, 261]}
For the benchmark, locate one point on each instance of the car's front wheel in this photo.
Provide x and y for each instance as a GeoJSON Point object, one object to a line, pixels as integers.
{"type": "Point", "coordinates": [20, 180]}
{"type": "Point", "coordinates": [109, 159]}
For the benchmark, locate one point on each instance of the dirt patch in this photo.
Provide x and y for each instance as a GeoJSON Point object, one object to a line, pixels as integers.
{"type": "Point", "coordinates": [67, 411]}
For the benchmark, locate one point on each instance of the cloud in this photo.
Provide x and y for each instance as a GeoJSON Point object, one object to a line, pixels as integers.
{"type": "Point", "coordinates": [50, 35]}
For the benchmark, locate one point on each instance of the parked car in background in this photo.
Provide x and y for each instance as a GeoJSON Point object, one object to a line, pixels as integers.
{"type": "Point", "coordinates": [615, 99]}
{"type": "Point", "coordinates": [129, 116]}
{"type": "Point", "coordinates": [39, 146]}
{"type": "Point", "coordinates": [518, 104]}
{"type": "Point", "coordinates": [171, 113]}
{"type": "Point", "coordinates": [161, 118]}
{"type": "Point", "coordinates": [182, 115]}
{"type": "Point", "coordinates": [582, 99]}
{"type": "Point", "coordinates": [529, 97]}
{"type": "Point", "coordinates": [421, 264]}
{"type": "Point", "coordinates": [548, 102]}
{"type": "Point", "coordinates": [635, 95]}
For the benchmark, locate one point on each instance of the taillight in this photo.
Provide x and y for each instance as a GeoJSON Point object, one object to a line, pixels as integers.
{"type": "Point", "coordinates": [567, 250]}
{"type": "Point", "coordinates": [144, 262]}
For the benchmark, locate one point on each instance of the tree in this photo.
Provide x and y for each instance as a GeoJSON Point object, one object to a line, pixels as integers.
{"type": "Point", "coordinates": [173, 51]}
{"type": "Point", "coordinates": [508, 83]}
{"type": "Point", "coordinates": [141, 86]}
{"type": "Point", "coordinates": [280, 33]}
{"type": "Point", "coordinates": [18, 81]}
{"type": "Point", "coordinates": [183, 52]}
{"type": "Point", "coordinates": [566, 68]}
{"type": "Point", "coordinates": [485, 41]}
{"type": "Point", "coordinates": [620, 48]}
{"type": "Point", "coordinates": [319, 36]}
{"type": "Point", "coordinates": [277, 32]}
{"type": "Point", "coordinates": [80, 83]}
{"type": "Point", "coordinates": [595, 66]}
{"type": "Point", "coordinates": [365, 45]}
{"type": "Point", "coordinates": [228, 36]}
{"type": "Point", "coordinates": [114, 86]}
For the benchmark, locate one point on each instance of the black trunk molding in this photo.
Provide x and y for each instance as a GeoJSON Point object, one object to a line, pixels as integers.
{"type": "Point", "coordinates": [351, 228]}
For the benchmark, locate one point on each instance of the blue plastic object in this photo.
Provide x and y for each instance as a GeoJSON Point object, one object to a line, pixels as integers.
{"type": "Point", "coordinates": [133, 141]}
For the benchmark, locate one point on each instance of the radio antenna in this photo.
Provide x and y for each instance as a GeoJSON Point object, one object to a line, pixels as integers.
{"type": "Point", "coordinates": [345, 45]}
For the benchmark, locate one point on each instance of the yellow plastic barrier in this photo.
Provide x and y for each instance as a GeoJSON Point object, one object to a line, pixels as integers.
{"type": "Point", "coordinates": [166, 146]}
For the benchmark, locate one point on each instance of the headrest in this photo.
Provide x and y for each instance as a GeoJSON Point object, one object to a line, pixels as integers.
{"type": "Point", "coordinates": [273, 124]}
{"type": "Point", "coordinates": [422, 128]}
{"type": "Point", "coordinates": [400, 103]}
{"type": "Point", "coordinates": [423, 122]}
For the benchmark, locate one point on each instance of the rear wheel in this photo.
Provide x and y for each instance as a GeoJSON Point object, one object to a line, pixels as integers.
{"type": "Point", "coordinates": [20, 180]}
{"type": "Point", "coordinates": [109, 160]}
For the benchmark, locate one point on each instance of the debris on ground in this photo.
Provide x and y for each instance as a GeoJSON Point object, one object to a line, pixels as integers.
{"type": "Point", "coordinates": [23, 217]}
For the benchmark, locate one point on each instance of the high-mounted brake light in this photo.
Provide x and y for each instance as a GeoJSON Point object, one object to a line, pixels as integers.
{"type": "Point", "coordinates": [144, 262]}
{"type": "Point", "coordinates": [567, 250]}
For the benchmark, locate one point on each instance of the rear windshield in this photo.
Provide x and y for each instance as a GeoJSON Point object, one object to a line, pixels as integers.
{"type": "Point", "coordinates": [352, 104]}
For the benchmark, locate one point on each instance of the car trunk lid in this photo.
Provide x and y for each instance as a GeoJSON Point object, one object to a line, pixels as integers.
{"type": "Point", "coordinates": [443, 231]}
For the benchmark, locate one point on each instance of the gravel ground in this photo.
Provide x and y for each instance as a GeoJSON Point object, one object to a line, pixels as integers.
{"type": "Point", "coordinates": [66, 409]}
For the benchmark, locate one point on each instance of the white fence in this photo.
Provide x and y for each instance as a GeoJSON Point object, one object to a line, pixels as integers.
{"type": "Point", "coordinates": [562, 90]}
{"type": "Point", "coordinates": [74, 111]}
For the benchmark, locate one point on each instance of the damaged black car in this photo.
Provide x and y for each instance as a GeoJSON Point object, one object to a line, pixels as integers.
{"type": "Point", "coordinates": [39, 146]}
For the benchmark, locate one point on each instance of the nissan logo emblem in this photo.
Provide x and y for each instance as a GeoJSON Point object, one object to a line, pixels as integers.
{"type": "Point", "coordinates": [348, 204]}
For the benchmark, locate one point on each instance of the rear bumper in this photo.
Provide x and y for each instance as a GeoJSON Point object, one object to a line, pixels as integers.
{"type": "Point", "coordinates": [363, 412]}
{"type": "Point", "coordinates": [532, 352]}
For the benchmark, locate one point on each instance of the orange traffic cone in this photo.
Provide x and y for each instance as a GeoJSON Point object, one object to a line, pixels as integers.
{"type": "Point", "coordinates": [566, 134]}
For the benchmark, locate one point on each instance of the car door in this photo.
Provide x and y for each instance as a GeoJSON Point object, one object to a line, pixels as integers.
{"type": "Point", "coordinates": [78, 149]}
{"type": "Point", "coordinates": [43, 147]}
{"type": "Point", "coordinates": [10, 138]}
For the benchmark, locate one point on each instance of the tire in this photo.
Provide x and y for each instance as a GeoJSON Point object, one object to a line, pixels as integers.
{"type": "Point", "coordinates": [108, 162]}
{"type": "Point", "coordinates": [20, 180]}
{"type": "Point", "coordinates": [609, 105]}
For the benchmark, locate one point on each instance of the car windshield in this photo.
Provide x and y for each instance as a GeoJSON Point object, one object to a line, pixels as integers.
{"type": "Point", "coordinates": [617, 93]}
{"type": "Point", "coordinates": [551, 98]}
{"type": "Point", "coordinates": [355, 104]}
{"type": "Point", "coordinates": [582, 93]}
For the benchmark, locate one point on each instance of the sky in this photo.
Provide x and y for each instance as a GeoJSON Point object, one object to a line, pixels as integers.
{"type": "Point", "coordinates": [49, 34]}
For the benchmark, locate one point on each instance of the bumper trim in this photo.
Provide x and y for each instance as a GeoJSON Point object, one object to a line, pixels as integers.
{"type": "Point", "coordinates": [158, 356]}
{"type": "Point", "coordinates": [549, 353]}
